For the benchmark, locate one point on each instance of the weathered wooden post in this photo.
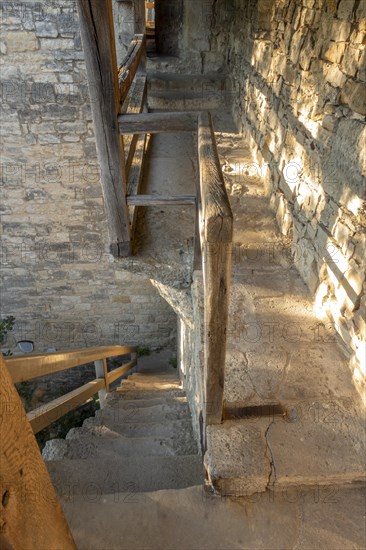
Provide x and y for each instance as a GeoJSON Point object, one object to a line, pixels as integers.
{"type": "Point", "coordinates": [102, 372]}
{"type": "Point", "coordinates": [97, 35]}
{"type": "Point", "coordinates": [30, 516]}
{"type": "Point", "coordinates": [216, 238]}
{"type": "Point", "coordinates": [140, 28]}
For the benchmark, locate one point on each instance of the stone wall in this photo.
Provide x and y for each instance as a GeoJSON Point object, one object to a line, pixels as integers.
{"type": "Point", "coordinates": [298, 70]}
{"type": "Point", "coordinates": [191, 357]}
{"type": "Point", "coordinates": [58, 278]}
{"type": "Point", "coordinates": [193, 31]}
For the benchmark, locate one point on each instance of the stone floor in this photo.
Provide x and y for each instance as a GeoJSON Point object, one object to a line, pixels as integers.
{"type": "Point", "coordinates": [294, 417]}
{"type": "Point", "coordinates": [190, 519]}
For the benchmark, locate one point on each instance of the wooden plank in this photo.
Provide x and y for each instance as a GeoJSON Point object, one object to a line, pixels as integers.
{"type": "Point", "coordinates": [136, 101]}
{"type": "Point", "coordinates": [99, 55]}
{"type": "Point", "coordinates": [129, 67]}
{"type": "Point", "coordinates": [155, 123]}
{"type": "Point", "coordinates": [139, 16]}
{"type": "Point", "coordinates": [160, 200]}
{"type": "Point", "coordinates": [216, 221]}
{"type": "Point", "coordinates": [216, 209]}
{"type": "Point", "coordinates": [30, 515]}
{"type": "Point", "coordinates": [45, 415]}
{"type": "Point", "coordinates": [120, 371]}
{"type": "Point", "coordinates": [32, 365]}
{"type": "Point", "coordinates": [135, 178]}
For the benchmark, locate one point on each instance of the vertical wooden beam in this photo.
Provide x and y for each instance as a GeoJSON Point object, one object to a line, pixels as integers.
{"type": "Point", "coordinates": [101, 371]}
{"type": "Point", "coordinates": [140, 28]}
{"type": "Point", "coordinates": [30, 515]}
{"type": "Point", "coordinates": [97, 37]}
{"type": "Point", "coordinates": [140, 16]}
{"type": "Point", "coordinates": [216, 238]}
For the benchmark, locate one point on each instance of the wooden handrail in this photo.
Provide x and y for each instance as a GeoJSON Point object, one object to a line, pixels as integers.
{"type": "Point", "coordinates": [33, 365]}
{"type": "Point", "coordinates": [216, 233]}
{"type": "Point", "coordinates": [43, 416]}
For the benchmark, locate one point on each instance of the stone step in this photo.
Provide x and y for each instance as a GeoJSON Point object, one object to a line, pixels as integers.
{"type": "Point", "coordinates": [190, 519]}
{"type": "Point", "coordinates": [116, 400]}
{"type": "Point", "coordinates": [317, 444]}
{"type": "Point", "coordinates": [146, 377]}
{"type": "Point", "coordinates": [129, 411]}
{"type": "Point", "coordinates": [133, 393]}
{"type": "Point", "coordinates": [105, 443]}
{"type": "Point", "coordinates": [151, 383]}
{"type": "Point", "coordinates": [185, 100]}
{"type": "Point", "coordinates": [111, 476]}
{"type": "Point", "coordinates": [138, 429]}
{"type": "Point", "coordinates": [167, 82]}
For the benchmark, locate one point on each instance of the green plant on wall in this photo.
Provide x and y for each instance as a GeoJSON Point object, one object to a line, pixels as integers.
{"type": "Point", "coordinates": [142, 351]}
{"type": "Point", "coordinates": [6, 325]}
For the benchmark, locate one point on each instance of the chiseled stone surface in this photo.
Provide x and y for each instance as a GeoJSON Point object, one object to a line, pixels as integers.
{"type": "Point", "coordinates": [236, 458]}
{"type": "Point", "coordinates": [304, 520]}
{"type": "Point", "coordinates": [325, 443]}
{"type": "Point", "coordinates": [315, 443]}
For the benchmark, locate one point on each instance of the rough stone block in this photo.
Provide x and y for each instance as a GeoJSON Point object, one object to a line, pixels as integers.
{"type": "Point", "coordinates": [354, 94]}
{"type": "Point", "coordinates": [345, 9]}
{"type": "Point", "coordinates": [334, 52]}
{"type": "Point", "coordinates": [21, 42]}
{"type": "Point", "coordinates": [335, 76]}
{"type": "Point", "coordinates": [351, 60]}
{"type": "Point", "coordinates": [236, 457]}
{"type": "Point", "coordinates": [46, 29]}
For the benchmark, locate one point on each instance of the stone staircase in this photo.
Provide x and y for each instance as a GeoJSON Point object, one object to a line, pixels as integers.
{"type": "Point", "coordinates": [141, 441]}
{"type": "Point", "coordinates": [171, 88]}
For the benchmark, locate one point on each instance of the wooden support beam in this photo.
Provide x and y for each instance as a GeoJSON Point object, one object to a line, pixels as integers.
{"type": "Point", "coordinates": [216, 231]}
{"type": "Point", "coordinates": [155, 123]}
{"type": "Point", "coordinates": [100, 59]}
{"type": "Point", "coordinates": [139, 16]}
{"type": "Point", "coordinates": [156, 200]}
{"type": "Point", "coordinates": [135, 178]}
{"type": "Point", "coordinates": [130, 65]}
{"type": "Point", "coordinates": [50, 412]}
{"type": "Point", "coordinates": [101, 371]}
{"type": "Point", "coordinates": [120, 371]}
{"type": "Point", "coordinates": [30, 515]}
{"type": "Point", "coordinates": [136, 101]}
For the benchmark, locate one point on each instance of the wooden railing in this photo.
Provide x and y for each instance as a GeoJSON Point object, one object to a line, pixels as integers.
{"type": "Point", "coordinates": [121, 121]}
{"type": "Point", "coordinates": [216, 233]}
{"type": "Point", "coordinates": [213, 236]}
{"type": "Point", "coordinates": [29, 366]}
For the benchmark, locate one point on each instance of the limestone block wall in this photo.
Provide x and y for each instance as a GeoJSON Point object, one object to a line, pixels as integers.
{"type": "Point", "coordinates": [298, 68]}
{"type": "Point", "coordinates": [58, 278]}
{"type": "Point", "coordinates": [191, 357]}
{"type": "Point", "coordinates": [194, 31]}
